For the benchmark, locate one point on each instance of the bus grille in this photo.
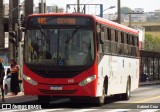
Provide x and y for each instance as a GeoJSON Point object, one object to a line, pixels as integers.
{"type": "Point", "coordinates": [51, 74]}
{"type": "Point", "coordinates": [57, 91]}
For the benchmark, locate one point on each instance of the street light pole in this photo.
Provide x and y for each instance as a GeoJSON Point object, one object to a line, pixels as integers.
{"type": "Point", "coordinates": [101, 14]}
{"type": "Point", "coordinates": [119, 11]}
{"type": "Point", "coordinates": [10, 28]}
{"type": "Point", "coordinates": [1, 25]}
{"type": "Point", "coordinates": [111, 7]}
{"type": "Point", "coordinates": [129, 20]}
{"type": "Point", "coordinates": [78, 7]}
{"type": "Point", "coordinates": [42, 6]}
{"type": "Point", "coordinates": [20, 53]}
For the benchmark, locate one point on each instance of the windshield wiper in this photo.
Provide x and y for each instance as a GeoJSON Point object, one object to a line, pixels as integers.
{"type": "Point", "coordinates": [42, 31]}
{"type": "Point", "coordinates": [68, 40]}
{"type": "Point", "coordinates": [72, 35]}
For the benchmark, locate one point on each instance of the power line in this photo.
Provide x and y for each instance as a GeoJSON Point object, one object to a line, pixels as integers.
{"type": "Point", "coordinates": [108, 3]}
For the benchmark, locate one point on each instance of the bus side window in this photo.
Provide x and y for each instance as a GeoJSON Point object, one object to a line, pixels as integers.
{"type": "Point", "coordinates": [100, 42]}
{"type": "Point", "coordinates": [107, 42]}
{"type": "Point", "coordinates": [125, 44]}
{"type": "Point", "coordinates": [136, 45]}
{"type": "Point", "coordinates": [133, 46]}
{"type": "Point", "coordinates": [129, 44]}
{"type": "Point", "coordinates": [119, 50]}
{"type": "Point", "coordinates": [113, 43]}
{"type": "Point", "coordinates": [122, 42]}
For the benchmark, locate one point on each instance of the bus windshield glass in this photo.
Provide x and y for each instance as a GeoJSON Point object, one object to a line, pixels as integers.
{"type": "Point", "coordinates": [59, 47]}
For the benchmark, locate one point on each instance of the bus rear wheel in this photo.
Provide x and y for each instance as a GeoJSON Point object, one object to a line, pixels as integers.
{"type": "Point", "coordinates": [126, 95]}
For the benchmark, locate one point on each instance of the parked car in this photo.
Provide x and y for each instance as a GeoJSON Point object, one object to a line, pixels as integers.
{"type": "Point", "coordinates": [6, 80]}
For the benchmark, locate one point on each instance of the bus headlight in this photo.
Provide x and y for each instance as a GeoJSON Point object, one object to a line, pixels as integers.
{"type": "Point", "coordinates": [87, 80]}
{"type": "Point", "coordinates": [29, 80]}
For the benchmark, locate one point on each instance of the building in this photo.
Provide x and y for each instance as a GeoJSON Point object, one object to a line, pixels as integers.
{"type": "Point", "coordinates": [138, 10]}
{"type": "Point", "coordinates": [50, 9]}
{"type": "Point", "coordinates": [54, 9]}
{"type": "Point", "coordinates": [110, 16]}
{"type": "Point", "coordinates": [6, 9]}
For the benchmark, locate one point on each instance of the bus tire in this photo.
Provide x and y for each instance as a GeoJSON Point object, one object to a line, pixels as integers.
{"type": "Point", "coordinates": [126, 95]}
{"type": "Point", "coordinates": [44, 99]}
{"type": "Point", "coordinates": [101, 99]}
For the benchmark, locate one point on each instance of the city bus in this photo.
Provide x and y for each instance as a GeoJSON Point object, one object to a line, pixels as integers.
{"type": "Point", "coordinates": [57, 65]}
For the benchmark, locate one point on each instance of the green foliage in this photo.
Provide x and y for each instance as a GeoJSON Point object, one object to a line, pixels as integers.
{"type": "Point", "coordinates": [152, 43]}
{"type": "Point", "coordinates": [125, 10]}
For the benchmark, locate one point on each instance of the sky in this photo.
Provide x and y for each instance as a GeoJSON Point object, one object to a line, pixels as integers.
{"type": "Point", "coordinates": [147, 5]}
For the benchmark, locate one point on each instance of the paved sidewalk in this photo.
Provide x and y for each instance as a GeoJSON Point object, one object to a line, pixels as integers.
{"type": "Point", "coordinates": [20, 98]}
{"type": "Point", "coordinates": [147, 83]}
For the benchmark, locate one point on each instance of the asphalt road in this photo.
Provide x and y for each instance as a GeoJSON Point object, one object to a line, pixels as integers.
{"type": "Point", "coordinates": [146, 94]}
{"type": "Point", "coordinates": [144, 99]}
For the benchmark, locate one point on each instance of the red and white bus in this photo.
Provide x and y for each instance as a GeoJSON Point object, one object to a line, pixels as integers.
{"type": "Point", "coordinates": [55, 63]}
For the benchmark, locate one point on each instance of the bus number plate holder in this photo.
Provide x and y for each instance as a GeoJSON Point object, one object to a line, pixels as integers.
{"type": "Point", "coordinates": [56, 88]}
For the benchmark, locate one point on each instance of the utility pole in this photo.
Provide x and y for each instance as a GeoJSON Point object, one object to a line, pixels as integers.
{"type": "Point", "coordinates": [78, 6]}
{"type": "Point", "coordinates": [119, 11]}
{"type": "Point", "coordinates": [42, 7]}
{"type": "Point", "coordinates": [101, 10]}
{"type": "Point", "coordinates": [28, 7]}
{"type": "Point", "coordinates": [20, 53]}
{"type": "Point", "coordinates": [10, 26]}
{"type": "Point", "coordinates": [129, 20]}
{"type": "Point", "coordinates": [1, 25]}
{"type": "Point", "coordinates": [19, 42]}
{"type": "Point", "coordinates": [13, 25]}
{"type": "Point", "coordinates": [15, 20]}
{"type": "Point", "coordinates": [130, 16]}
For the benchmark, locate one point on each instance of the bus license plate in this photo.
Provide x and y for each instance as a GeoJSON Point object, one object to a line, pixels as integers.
{"type": "Point", "coordinates": [56, 88]}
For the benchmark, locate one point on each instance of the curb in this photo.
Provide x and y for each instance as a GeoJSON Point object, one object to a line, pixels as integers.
{"type": "Point", "coordinates": [150, 84]}
{"type": "Point", "coordinates": [19, 99]}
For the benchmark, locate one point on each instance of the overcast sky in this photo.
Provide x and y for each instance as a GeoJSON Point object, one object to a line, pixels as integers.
{"type": "Point", "coordinates": [148, 5]}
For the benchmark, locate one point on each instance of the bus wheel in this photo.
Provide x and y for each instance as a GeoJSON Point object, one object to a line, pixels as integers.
{"type": "Point", "coordinates": [44, 99]}
{"type": "Point", "coordinates": [126, 95]}
{"type": "Point", "coordinates": [101, 99]}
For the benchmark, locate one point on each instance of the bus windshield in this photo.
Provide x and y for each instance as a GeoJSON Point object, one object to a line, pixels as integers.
{"type": "Point", "coordinates": [59, 47]}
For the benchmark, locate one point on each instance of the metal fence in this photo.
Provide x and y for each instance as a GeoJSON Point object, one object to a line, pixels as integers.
{"type": "Point", "coordinates": [150, 64]}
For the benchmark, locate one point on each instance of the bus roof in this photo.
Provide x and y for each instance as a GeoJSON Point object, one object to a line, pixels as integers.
{"type": "Point", "coordinates": [97, 19]}
{"type": "Point", "coordinates": [116, 25]}
{"type": "Point", "coordinates": [61, 14]}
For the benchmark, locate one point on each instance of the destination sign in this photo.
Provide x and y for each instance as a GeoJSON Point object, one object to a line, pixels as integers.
{"type": "Point", "coordinates": [54, 21]}
{"type": "Point", "coordinates": [43, 20]}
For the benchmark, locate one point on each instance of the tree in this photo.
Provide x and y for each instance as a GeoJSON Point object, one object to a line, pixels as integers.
{"type": "Point", "coordinates": [125, 10]}
{"type": "Point", "coordinates": [156, 44]}
{"type": "Point", "coordinates": [152, 43]}
{"type": "Point", "coordinates": [148, 42]}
